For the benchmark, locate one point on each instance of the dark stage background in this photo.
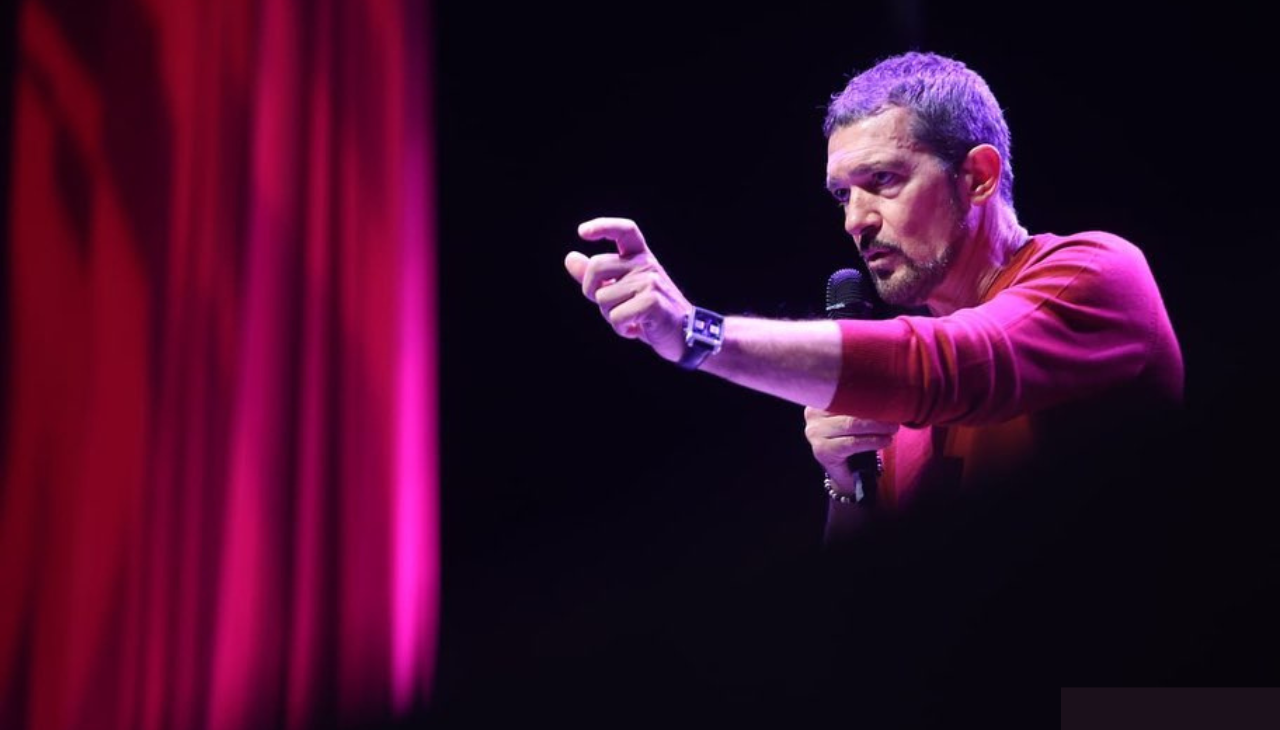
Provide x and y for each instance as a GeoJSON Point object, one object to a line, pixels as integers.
{"type": "Point", "coordinates": [617, 532]}
{"type": "Point", "coordinates": [616, 529]}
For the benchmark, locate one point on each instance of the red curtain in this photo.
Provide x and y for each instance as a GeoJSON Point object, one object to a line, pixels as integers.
{"type": "Point", "coordinates": [219, 448]}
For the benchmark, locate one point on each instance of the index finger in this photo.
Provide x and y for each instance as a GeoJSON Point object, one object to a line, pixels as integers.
{"type": "Point", "coordinates": [622, 231]}
{"type": "Point", "coordinates": [867, 427]}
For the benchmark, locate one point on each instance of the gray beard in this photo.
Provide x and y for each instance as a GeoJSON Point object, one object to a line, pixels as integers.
{"type": "Point", "coordinates": [911, 283]}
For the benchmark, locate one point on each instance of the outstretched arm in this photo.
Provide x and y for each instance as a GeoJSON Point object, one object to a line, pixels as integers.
{"type": "Point", "coordinates": [796, 361]}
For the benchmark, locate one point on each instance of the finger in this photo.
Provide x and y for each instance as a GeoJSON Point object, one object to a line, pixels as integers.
{"type": "Point", "coordinates": [602, 270]}
{"type": "Point", "coordinates": [631, 330]}
{"type": "Point", "coordinates": [633, 314]}
{"type": "Point", "coordinates": [856, 426]}
{"type": "Point", "coordinates": [615, 295]}
{"type": "Point", "coordinates": [814, 414]}
{"type": "Point", "coordinates": [610, 296]}
{"type": "Point", "coordinates": [831, 426]}
{"type": "Point", "coordinates": [842, 477]}
{"type": "Point", "coordinates": [613, 292]}
{"type": "Point", "coordinates": [839, 449]}
{"type": "Point", "coordinates": [622, 231]}
{"type": "Point", "coordinates": [576, 264]}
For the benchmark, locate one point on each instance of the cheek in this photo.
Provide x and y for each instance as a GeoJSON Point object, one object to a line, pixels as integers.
{"type": "Point", "coordinates": [928, 222]}
{"type": "Point", "coordinates": [915, 228]}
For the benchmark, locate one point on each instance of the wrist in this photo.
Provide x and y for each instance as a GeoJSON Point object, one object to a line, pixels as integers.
{"type": "Point", "coordinates": [865, 490]}
{"type": "Point", "coordinates": [703, 337]}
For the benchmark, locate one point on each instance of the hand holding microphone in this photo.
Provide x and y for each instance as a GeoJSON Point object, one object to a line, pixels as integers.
{"type": "Point", "coordinates": [847, 446]}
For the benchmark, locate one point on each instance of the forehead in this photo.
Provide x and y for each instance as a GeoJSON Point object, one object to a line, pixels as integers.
{"type": "Point", "coordinates": [881, 138]}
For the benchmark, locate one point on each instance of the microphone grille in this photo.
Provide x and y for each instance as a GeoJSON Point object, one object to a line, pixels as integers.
{"type": "Point", "coordinates": [849, 296]}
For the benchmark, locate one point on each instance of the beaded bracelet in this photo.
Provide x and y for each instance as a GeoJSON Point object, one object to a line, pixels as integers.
{"type": "Point", "coordinates": [842, 498]}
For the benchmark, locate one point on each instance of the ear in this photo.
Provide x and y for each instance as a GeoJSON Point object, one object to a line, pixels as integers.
{"type": "Point", "coordinates": [980, 173]}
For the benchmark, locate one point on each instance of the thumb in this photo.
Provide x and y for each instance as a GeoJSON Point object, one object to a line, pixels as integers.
{"type": "Point", "coordinates": [841, 474]}
{"type": "Point", "coordinates": [622, 231]}
{"type": "Point", "coordinates": [576, 264]}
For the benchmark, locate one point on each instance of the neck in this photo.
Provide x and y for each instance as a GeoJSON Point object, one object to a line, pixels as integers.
{"type": "Point", "coordinates": [993, 239]}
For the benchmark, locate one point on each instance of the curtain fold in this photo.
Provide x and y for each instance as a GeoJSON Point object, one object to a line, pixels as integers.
{"type": "Point", "coordinates": [220, 470]}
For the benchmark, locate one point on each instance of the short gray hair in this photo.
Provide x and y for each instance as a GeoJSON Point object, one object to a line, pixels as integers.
{"type": "Point", "coordinates": [952, 108]}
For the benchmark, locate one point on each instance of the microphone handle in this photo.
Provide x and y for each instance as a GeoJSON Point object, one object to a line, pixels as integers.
{"type": "Point", "coordinates": [851, 295]}
{"type": "Point", "coordinates": [866, 470]}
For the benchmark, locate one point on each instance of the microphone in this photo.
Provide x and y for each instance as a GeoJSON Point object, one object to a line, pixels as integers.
{"type": "Point", "coordinates": [851, 295]}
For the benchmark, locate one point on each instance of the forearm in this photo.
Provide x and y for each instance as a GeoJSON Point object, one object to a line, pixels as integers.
{"type": "Point", "coordinates": [798, 361]}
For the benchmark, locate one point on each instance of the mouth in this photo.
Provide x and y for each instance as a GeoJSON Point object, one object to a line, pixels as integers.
{"type": "Point", "coordinates": [875, 255]}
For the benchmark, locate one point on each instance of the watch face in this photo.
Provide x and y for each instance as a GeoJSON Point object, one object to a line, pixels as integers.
{"type": "Point", "coordinates": [707, 327]}
{"type": "Point", "coordinates": [704, 328]}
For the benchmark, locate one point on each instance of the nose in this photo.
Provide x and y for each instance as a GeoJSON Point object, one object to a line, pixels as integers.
{"type": "Point", "coordinates": [860, 215]}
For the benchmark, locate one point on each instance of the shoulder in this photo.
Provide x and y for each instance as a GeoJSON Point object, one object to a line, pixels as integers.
{"type": "Point", "coordinates": [1088, 250]}
{"type": "Point", "coordinates": [1082, 247]}
{"type": "Point", "coordinates": [1088, 264]}
{"type": "Point", "coordinates": [1092, 281]}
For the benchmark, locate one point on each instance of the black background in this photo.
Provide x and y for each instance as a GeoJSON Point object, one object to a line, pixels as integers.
{"type": "Point", "coordinates": [618, 531]}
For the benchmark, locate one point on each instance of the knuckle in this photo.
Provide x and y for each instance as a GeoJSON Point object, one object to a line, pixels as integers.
{"type": "Point", "coordinates": [827, 450]}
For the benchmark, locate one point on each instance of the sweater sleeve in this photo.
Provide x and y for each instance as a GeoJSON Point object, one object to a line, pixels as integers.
{"type": "Point", "coordinates": [1077, 318]}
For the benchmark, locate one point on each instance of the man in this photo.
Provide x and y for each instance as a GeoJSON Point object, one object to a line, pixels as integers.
{"type": "Point", "coordinates": [1034, 341]}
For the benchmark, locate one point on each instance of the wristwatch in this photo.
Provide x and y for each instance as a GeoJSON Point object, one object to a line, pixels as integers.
{"type": "Point", "coordinates": [703, 335]}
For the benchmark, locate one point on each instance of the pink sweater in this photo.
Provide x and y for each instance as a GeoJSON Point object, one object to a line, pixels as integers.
{"type": "Point", "coordinates": [1072, 334]}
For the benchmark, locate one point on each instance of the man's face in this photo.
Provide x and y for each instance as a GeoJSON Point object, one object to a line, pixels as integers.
{"type": "Point", "coordinates": [901, 205]}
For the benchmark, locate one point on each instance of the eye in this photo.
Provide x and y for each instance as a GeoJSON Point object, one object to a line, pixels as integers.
{"type": "Point", "coordinates": [883, 178]}
{"type": "Point", "coordinates": [841, 195]}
